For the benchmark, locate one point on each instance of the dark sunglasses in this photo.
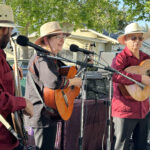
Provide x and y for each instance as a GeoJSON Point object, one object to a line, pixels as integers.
{"type": "Point", "coordinates": [134, 38]}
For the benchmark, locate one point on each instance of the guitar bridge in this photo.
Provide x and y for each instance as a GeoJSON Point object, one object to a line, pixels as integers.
{"type": "Point", "coordinates": [65, 98]}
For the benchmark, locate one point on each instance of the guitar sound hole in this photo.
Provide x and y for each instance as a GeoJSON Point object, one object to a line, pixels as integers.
{"type": "Point", "coordinates": [72, 87]}
{"type": "Point", "coordinates": [148, 72]}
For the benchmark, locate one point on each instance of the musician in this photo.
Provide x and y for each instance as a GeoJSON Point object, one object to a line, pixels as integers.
{"type": "Point", "coordinates": [130, 117]}
{"type": "Point", "coordinates": [8, 101]}
{"type": "Point", "coordinates": [44, 72]}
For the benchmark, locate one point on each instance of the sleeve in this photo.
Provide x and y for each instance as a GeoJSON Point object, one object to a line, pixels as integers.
{"type": "Point", "coordinates": [120, 63]}
{"type": "Point", "coordinates": [10, 103]}
{"type": "Point", "coordinates": [146, 56]}
{"type": "Point", "coordinates": [50, 76]}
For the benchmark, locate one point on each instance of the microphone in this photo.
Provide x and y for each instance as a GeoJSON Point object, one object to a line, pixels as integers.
{"type": "Point", "coordinates": [14, 34]}
{"type": "Point", "coordinates": [24, 41]}
{"type": "Point", "coordinates": [75, 48]}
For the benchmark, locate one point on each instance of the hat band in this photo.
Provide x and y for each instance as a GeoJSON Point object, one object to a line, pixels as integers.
{"type": "Point", "coordinates": [140, 31]}
{"type": "Point", "coordinates": [6, 21]}
{"type": "Point", "coordinates": [57, 30]}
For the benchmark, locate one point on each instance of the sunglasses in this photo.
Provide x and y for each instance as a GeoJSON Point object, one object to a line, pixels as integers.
{"type": "Point", "coordinates": [134, 38]}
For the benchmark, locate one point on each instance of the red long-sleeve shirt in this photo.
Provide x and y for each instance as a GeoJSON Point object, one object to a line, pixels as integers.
{"type": "Point", "coordinates": [8, 102]}
{"type": "Point", "coordinates": [122, 107]}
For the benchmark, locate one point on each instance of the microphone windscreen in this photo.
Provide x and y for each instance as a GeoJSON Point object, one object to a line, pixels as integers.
{"type": "Point", "coordinates": [74, 48]}
{"type": "Point", "coordinates": [22, 40]}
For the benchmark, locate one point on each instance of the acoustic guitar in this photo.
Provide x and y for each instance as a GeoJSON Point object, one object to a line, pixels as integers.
{"type": "Point", "coordinates": [134, 91]}
{"type": "Point", "coordinates": [62, 100]}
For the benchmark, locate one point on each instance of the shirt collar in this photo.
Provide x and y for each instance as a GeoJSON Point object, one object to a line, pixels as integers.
{"type": "Point", "coordinates": [2, 53]}
{"type": "Point", "coordinates": [128, 52]}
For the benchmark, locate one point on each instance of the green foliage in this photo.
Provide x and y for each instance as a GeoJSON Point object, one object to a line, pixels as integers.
{"type": "Point", "coordinates": [137, 9]}
{"type": "Point", "coordinates": [94, 14]}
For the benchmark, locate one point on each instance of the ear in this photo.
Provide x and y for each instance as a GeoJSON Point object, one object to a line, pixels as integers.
{"type": "Point", "coordinates": [1, 30]}
{"type": "Point", "coordinates": [5, 31]}
{"type": "Point", "coordinates": [45, 39]}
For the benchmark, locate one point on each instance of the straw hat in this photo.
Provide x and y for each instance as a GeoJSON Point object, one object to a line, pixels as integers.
{"type": "Point", "coordinates": [50, 28]}
{"type": "Point", "coordinates": [6, 16]}
{"type": "Point", "coordinates": [132, 29]}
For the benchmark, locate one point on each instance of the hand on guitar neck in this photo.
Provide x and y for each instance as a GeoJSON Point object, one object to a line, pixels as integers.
{"type": "Point", "coordinates": [75, 82]}
{"type": "Point", "coordinates": [145, 80]}
{"type": "Point", "coordinates": [28, 109]}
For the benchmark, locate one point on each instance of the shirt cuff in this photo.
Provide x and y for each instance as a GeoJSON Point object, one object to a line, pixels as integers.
{"type": "Point", "coordinates": [20, 103]}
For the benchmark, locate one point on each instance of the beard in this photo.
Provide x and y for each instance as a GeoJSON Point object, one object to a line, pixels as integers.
{"type": "Point", "coordinates": [4, 41]}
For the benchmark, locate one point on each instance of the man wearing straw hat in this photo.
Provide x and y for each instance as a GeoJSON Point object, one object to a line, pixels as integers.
{"type": "Point", "coordinates": [8, 102]}
{"type": "Point", "coordinates": [130, 117]}
{"type": "Point", "coordinates": [45, 73]}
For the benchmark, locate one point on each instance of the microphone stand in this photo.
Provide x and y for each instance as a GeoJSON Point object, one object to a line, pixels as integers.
{"type": "Point", "coordinates": [83, 98]}
{"type": "Point", "coordinates": [108, 140]}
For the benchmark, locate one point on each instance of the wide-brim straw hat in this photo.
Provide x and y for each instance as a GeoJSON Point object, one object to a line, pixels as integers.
{"type": "Point", "coordinates": [50, 28]}
{"type": "Point", "coordinates": [132, 29]}
{"type": "Point", "coordinates": [6, 16]}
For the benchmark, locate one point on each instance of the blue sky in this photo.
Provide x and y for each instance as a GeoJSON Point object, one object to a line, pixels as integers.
{"type": "Point", "coordinates": [142, 23]}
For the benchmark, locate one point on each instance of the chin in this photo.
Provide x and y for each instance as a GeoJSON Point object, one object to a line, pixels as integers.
{"type": "Point", "coordinates": [59, 50]}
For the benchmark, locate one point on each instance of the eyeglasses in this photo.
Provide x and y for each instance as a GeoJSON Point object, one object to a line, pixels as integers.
{"type": "Point", "coordinates": [60, 36]}
{"type": "Point", "coordinates": [134, 38]}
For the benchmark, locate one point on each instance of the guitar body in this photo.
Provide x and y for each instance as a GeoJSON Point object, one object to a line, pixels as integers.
{"type": "Point", "coordinates": [134, 90]}
{"type": "Point", "coordinates": [62, 100]}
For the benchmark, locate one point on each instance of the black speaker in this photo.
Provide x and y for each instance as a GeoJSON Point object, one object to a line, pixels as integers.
{"type": "Point", "coordinates": [97, 85]}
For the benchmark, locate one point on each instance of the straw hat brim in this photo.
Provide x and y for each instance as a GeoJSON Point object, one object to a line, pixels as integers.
{"type": "Point", "coordinates": [40, 39]}
{"type": "Point", "coordinates": [10, 25]}
{"type": "Point", "coordinates": [121, 38]}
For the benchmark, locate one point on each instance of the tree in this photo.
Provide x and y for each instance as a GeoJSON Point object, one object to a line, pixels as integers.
{"type": "Point", "coordinates": [93, 14]}
{"type": "Point", "coordinates": [137, 9]}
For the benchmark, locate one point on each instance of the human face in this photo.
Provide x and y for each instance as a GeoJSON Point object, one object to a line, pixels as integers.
{"type": "Point", "coordinates": [134, 41]}
{"type": "Point", "coordinates": [5, 34]}
{"type": "Point", "coordinates": [56, 43]}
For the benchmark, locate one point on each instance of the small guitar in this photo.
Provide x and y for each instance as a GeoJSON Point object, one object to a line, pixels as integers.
{"type": "Point", "coordinates": [134, 90]}
{"type": "Point", "coordinates": [62, 100]}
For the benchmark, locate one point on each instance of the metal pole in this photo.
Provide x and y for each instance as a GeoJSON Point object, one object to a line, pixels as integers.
{"type": "Point", "coordinates": [83, 98]}
{"type": "Point", "coordinates": [108, 147]}
{"type": "Point", "coordinates": [84, 84]}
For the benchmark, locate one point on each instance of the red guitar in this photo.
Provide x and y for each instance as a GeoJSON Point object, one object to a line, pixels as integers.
{"type": "Point", "coordinates": [62, 100]}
